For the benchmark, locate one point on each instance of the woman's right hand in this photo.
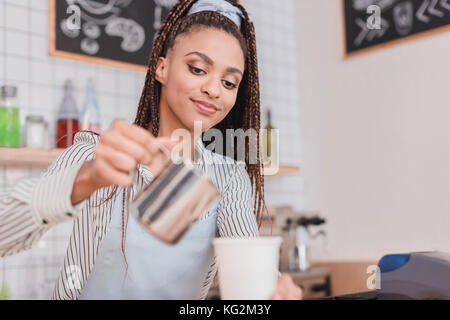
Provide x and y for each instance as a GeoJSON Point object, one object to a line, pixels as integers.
{"type": "Point", "coordinates": [118, 152]}
{"type": "Point", "coordinates": [121, 148]}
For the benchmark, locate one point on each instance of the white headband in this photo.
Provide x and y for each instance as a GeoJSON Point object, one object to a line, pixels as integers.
{"type": "Point", "coordinates": [221, 6]}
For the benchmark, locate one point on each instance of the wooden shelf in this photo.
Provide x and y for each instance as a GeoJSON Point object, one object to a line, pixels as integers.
{"type": "Point", "coordinates": [27, 156]}
{"type": "Point", "coordinates": [43, 158]}
{"type": "Point", "coordinates": [282, 170]}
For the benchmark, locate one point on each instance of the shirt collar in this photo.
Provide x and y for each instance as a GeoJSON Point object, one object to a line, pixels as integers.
{"type": "Point", "coordinates": [199, 151]}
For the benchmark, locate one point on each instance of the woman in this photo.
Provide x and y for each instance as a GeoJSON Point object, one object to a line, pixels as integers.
{"type": "Point", "coordinates": [202, 69]}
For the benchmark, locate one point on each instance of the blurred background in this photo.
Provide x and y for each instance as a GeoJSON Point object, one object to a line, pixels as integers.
{"type": "Point", "coordinates": [361, 109]}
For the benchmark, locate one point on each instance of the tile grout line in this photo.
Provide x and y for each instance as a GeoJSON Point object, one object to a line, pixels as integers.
{"type": "Point", "coordinates": [30, 68]}
{"type": "Point", "coordinates": [4, 42]}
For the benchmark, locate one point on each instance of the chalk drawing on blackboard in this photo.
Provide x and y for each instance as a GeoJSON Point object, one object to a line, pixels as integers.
{"type": "Point", "coordinates": [432, 9]}
{"type": "Point", "coordinates": [368, 34]}
{"type": "Point", "coordinates": [90, 46]}
{"type": "Point", "coordinates": [159, 5]}
{"type": "Point", "coordinates": [69, 32]}
{"type": "Point", "coordinates": [91, 30]}
{"type": "Point", "coordinates": [94, 11]}
{"type": "Point", "coordinates": [429, 7]}
{"type": "Point", "coordinates": [401, 20]}
{"type": "Point", "coordinates": [95, 14]}
{"type": "Point", "coordinates": [362, 5]}
{"type": "Point", "coordinates": [403, 15]}
{"type": "Point", "coordinates": [118, 33]}
{"type": "Point", "coordinates": [445, 5]}
{"type": "Point", "coordinates": [132, 33]}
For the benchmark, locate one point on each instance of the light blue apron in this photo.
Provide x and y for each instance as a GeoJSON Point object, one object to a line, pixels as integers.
{"type": "Point", "coordinates": [156, 270]}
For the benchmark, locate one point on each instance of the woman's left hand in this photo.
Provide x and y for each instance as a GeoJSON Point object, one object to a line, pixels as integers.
{"type": "Point", "coordinates": [287, 289]}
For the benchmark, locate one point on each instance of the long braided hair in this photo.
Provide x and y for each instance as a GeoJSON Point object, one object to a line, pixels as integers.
{"type": "Point", "coordinates": [246, 112]}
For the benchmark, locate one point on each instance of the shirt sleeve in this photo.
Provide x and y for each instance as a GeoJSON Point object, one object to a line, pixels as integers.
{"type": "Point", "coordinates": [30, 207]}
{"type": "Point", "coordinates": [236, 216]}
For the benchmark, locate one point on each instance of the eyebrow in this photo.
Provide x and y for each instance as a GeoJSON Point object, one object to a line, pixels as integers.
{"type": "Point", "coordinates": [210, 62]}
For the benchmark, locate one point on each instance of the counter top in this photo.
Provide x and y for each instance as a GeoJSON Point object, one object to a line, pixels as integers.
{"type": "Point", "coordinates": [311, 273]}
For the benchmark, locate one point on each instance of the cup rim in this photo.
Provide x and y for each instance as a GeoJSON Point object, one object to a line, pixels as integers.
{"type": "Point", "coordinates": [266, 240]}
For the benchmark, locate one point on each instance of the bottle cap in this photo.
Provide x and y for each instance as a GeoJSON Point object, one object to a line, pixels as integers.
{"type": "Point", "coordinates": [34, 118]}
{"type": "Point", "coordinates": [9, 92]}
{"type": "Point", "coordinates": [90, 112]}
{"type": "Point", "coordinates": [68, 108]}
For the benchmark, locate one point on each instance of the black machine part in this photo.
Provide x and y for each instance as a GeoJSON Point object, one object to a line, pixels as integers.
{"type": "Point", "coordinates": [310, 221]}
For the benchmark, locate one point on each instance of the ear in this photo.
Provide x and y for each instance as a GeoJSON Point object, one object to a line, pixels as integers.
{"type": "Point", "coordinates": [161, 70]}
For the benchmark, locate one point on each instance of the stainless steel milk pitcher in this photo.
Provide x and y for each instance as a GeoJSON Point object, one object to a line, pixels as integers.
{"type": "Point", "coordinates": [173, 200]}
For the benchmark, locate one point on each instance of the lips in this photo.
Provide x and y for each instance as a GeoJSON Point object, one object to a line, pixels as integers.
{"type": "Point", "coordinates": [205, 107]}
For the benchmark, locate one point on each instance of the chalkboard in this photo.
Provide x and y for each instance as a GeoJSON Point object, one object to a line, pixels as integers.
{"type": "Point", "coordinates": [375, 23]}
{"type": "Point", "coordinates": [119, 33]}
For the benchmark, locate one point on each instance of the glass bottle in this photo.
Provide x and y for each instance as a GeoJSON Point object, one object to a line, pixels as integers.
{"type": "Point", "coordinates": [9, 117]}
{"type": "Point", "coordinates": [90, 115]}
{"type": "Point", "coordinates": [67, 118]}
{"type": "Point", "coordinates": [4, 292]}
{"type": "Point", "coordinates": [267, 140]}
{"type": "Point", "coordinates": [35, 132]}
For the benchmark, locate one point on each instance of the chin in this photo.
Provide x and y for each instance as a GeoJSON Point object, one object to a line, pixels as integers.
{"type": "Point", "coordinates": [207, 122]}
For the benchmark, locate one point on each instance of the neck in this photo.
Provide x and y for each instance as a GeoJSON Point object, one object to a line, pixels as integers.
{"type": "Point", "coordinates": [169, 123]}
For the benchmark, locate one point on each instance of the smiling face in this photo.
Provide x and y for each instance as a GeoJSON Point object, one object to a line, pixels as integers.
{"type": "Point", "coordinates": [200, 78]}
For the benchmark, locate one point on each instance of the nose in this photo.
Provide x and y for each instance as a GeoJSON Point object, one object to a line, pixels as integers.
{"type": "Point", "coordinates": [211, 87]}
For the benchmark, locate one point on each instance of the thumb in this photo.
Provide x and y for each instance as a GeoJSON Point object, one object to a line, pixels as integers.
{"type": "Point", "coordinates": [168, 142]}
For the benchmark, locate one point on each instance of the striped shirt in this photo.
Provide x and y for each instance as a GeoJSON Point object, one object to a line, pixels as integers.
{"type": "Point", "coordinates": [30, 207]}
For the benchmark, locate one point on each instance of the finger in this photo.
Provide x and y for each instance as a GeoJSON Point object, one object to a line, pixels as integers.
{"type": "Point", "coordinates": [111, 175]}
{"type": "Point", "coordinates": [152, 146]}
{"type": "Point", "coordinates": [116, 159]}
{"type": "Point", "coordinates": [292, 291]}
{"type": "Point", "coordinates": [138, 134]}
{"type": "Point", "coordinates": [168, 142]}
{"type": "Point", "coordinates": [286, 288]}
{"type": "Point", "coordinates": [300, 294]}
{"type": "Point", "coordinates": [278, 293]}
{"type": "Point", "coordinates": [126, 145]}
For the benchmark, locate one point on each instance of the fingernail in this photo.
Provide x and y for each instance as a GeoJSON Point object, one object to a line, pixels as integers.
{"type": "Point", "coordinates": [277, 296]}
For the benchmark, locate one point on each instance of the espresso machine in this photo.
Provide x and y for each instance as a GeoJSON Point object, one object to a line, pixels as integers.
{"type": "Point", "coordinates": [298, 235]}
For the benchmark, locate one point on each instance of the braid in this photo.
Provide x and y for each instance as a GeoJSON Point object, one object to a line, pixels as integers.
{"type": "Point", "coordinates": [124, 234]}
{"type": "Point", "coordinates": [148, 111]}
{"type": "Point", "coordinates": [252, 117]}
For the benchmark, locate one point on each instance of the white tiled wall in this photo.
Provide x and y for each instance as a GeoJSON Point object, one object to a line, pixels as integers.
{"type": "Point", "coordinates": [25, 63]}
{"type": "Point", "coordinates": [275, 27]}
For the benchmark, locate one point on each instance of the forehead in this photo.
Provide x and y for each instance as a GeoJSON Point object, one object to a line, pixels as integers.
{"type": "Point", "coordinates": [219, 45]}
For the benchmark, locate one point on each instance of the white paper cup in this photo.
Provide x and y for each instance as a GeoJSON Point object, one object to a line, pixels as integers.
{"type": "Point", "coordinates": [248, 267]}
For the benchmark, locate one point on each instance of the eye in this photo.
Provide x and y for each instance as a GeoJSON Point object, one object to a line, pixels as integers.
{"type": "Point", "coordinates": [195, 70]}
{"type": "Point", "coordinates": [229, 84]}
